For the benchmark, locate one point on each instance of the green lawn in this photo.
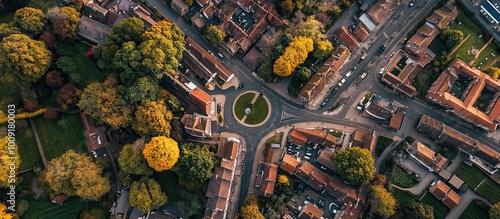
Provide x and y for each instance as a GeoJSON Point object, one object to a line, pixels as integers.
{"type": "Point", "coordinates": [474, 211]}
{"type": "Point", "coordinates": [401, 178]}
{"type": "Point", "coordinates": [259, 112]}
{"type": "Point", "coordinates": [45, 209]}
{"type": "Point", "coordinates": [440, 209]}
{"type": "Point", "coordinates": [78, 52]}
{"type": "Point", "coordinates": [402, 198]}
{"type": "Point", "coordinates": [471, 175]}
{"type": "Point", "coordinates": [241, 104]}
{"type": "Point", "coordinates": [382, 144]}
{"type": "Point", "coordinates": [486, 53]}
{"type": "Point", "coordinates": [44, 5]}
{"type": "Point", "coordinates": [169, 184]}
{"type": "Point", "coordinates": [56, 139]}
{"type": "Point", "coordinates": [489, 190]}
{"type": "Point", "coordinates": [27, 148]}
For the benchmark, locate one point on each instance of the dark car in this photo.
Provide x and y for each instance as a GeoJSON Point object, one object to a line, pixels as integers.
{"type": "Point", "coordinates": [241, 86]}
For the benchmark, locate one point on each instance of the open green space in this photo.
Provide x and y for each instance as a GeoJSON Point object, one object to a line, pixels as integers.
{"type": "Point", "coordinates": [474, 211]}
{"type": "Point", "coordinates": [78, 52]}
{"type": "Point", "coordinates": [44, 5]}
{"type": "Point", "coordinates": [440, 209]}
{"type": "Point", "coordinates": [27, 148]}
{"type": "Point", "coordinates": [489, 190]}
{"type": "Point", "coordinates": [57, 139]}
{"type": "Point", "coordinates": [169, 183]}
{"type": "Point", "coordinates": [401, 178]}
{"type": "Point", "coordinates": [242, 103]}
{"type": "Point", "coordinates": [260, 109]}
{"type": "Point", "coordinates": [382, 144]}
{"type": "Point", "coordinates": [471, 175]}
{"type": "Point", "coordinates": [45, 209]}
{"type": "Point", "coordinates": [402, 198]}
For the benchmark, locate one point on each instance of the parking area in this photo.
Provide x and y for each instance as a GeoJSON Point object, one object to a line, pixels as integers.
{"type": "Point", "coordinates": [304, 195]}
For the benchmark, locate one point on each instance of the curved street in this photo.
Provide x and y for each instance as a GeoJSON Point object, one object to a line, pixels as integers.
{"type": "Point", "coordinates": [391, 33]}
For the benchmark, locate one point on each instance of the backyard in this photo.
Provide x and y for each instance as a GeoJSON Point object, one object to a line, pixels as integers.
{"type": "Point", "coordinates": [78, 52]}
{"type": "Point", "coordinates": [57, 138]}
{"type": "Point", "coordinates": [474, 211]}
{"type": "Point", "coordinates": [440, 209]}
{"type": "Point", "coordinates": [45, 209]}
{"type": "Point", "coordinates": [473, 176]}
{"type": "Point", "coordinates": [28, 151]}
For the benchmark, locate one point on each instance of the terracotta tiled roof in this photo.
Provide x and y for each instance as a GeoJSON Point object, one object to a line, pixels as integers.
{"type": "Point", "coordinates": [350, 41]}
{"type": "Point", "coordinates": [443, 15]}
{"type": "Point", "coordinates": [180, 7]}
{"type": "Point", "coordinates": [337, 188]}
{"type": "Point", "coordinates": [359, 138]}
{"type": "Point", "coordinates": [439, 189]}
{"type": "Point", "coordinates": [269, 179]}
{"type": "Point", "coordinates": [488, 155]}
{"type": "Point", "coordinates": [314, 135]}
{"type": "Point", "coordinates": [297, 137]}
{"type": "Point", "coordinates": [289, 164]}
{"type": "Point", "coordinates": [227, 149]}
{"type": "Point", "coordinates": [361, 32]}
{"type": "Point", "coordinates": [380, 10]}
{"type": "Point", "coordinates": [213, 214]}
{"type": "Point", "coordinates": [218, 187]}
{"type": "Point", "coordinates": [452, 199]}
{"type": "Point", "coordinates": [227, 164]}
{"type": "Point", "coordinates": [318, 179]}
{"type": "Point", "coordinates": [310, 211]}
{"type": "Point", "coordinates": [326, 159]}
{"type": "Point", "coordinates": [200, 99]}
{"type": "Point", "coordinates": [263, 43]}
{"type": "Point", "coordinates": [304, 170]}
{"type": "Point", "coordinates": [397, 120]}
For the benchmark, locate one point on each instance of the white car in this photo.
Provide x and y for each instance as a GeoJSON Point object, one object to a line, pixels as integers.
{"type": "Point", "coordinates": [381, 71]}
{"type": "Point", "coordinates": [348, 74]}
{"type": "Point", "coordinates": [307, 157]}
{"type": "Point", "coordinates": [341, 82]}
{"type": "Point", "coordinates": [363, 76]}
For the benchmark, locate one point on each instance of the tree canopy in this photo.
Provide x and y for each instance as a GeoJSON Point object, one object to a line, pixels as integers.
{"type": "Point", "coordinates": [7, 155]}
{"type": "Point", "coordinates": [303, 74]}
{"type": "Point", "coordinates": [22, 59]}
{"type": "Point", "coordinates": [295, 54]}
{"type": "Point", "coordinates": [145, 194]}
{"type": "Point", "coordinates": [283, 180]}
{"type": "Point", "coordinates": [132, 161]}
{"type": "Point", "coordinates": [29, 20]}
{"type": "Point", "coordinates": [215, 35]}
{"type": "Point", "coordinates": [418, 210]}
{"type": "Point", "coordinates": [161, 153]}
{"type": "Point", "coordinates": [152, 119]}
{"type": "Point", "coordinates": [355, 165]}
{"type": "Point", "coordinates": [195, 165]}
{"type": "Point", "coordinates": [3, 212]}
{"type": "Point", "coordinates": [310, 28]}
{"type": "Point", "coordinates": [7, 30]}
{"type": "Point", "coordinates": [323, 49]}
{"type": "Point", "coordinates": [382, 201]}
{"type": "Point", "coordinates": [251, 212]}
{"type": "Point", "coordinates": [451, 37]}
{"type": "Point", "coordinates": [494, 72]}
{"type": "Point", "coordinates": [93, 213]}
{"type": "Point", "coordinates": [495, 211]}
{"type": "Point", "coordinates": [75, 174]}
{"type": "Point", "coordinates": [64, 21]}
{"type": "Point", "coordinates": [143, 90]}
{"type": "Point", "coordinates": [105, 103]}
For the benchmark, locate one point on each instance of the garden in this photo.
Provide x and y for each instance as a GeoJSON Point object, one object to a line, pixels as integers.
{"type": "Point", "coordinates": [401, 178]}
{"type": "Point", "coordinates": [45, 209]}
{"type": "Point", "coordinates": [440, 209]}
{"type": "Point", "coordinates": [474, 177]}
{"type": "Point", "coordinates": [259, 110]}
{"type": "Point", "coordinates": [382, 144]}
{"type": "Point", "coordinates": [475, 210]}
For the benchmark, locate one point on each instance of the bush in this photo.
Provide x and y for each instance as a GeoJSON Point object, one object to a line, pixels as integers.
{"type": "Point", "coordinates": [221, 118]}
{"type": "Point", "coordinates": [50, 114]}
{"type": "Point", "coordinates": [401, 178]}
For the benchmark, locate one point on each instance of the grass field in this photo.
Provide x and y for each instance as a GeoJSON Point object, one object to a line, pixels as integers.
{"type": "Point", "coordinates": [489, 190]}
{"type": "Point", "coordinates": [44, 5]}
{"type": "Point", "coordinates": [474, 211]}
{"type": "Point", "coordinates": [259, 112]}
{"type": "Point", "coordinates": [440, 209]}
{"type": "Point", "coordinates": [28, 151]}
{"type": "Point", "coordinates": [402, 198]}
{"type": "Point", "coordinates": [56, 139]}
{"type": "Point", "coordinates": [45, 209]}
{"type": "Point", "coordinates": [241, 104]}
{"type": "Point", "coordinates": [471, 175]}
{"type": "Point", "coordinates": [78, 52]}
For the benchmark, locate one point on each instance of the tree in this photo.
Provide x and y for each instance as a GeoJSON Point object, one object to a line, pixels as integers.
{"type": "Point", "coordinates": [189, 2]}
{"type": "Point", "coordinates": [152, 119]}
{"type": "Point", "coordinates": [418, 210]}
{"type": "Point", "coordinates": [451, 37]}
{"type": "Point", "coordinates": [50, 41]}
{"type": "Point", "coordinates": [68, 66]}
{"type": "Point", "coordinates": [75, 174]}
{"type": "Point", "coordinates": [161, 153]}
{"type": "Point", "coordinates": [132, 161]}
{"type": "Point", "coordinates": [336, 11]}
{"type": "Point", "coordinates": [69, 95]}
{"type": "Point", "coordinates": [30, 21]}
{"type": "Point", "coordinates": [194, 166]}
{"type": "Point", "coordinates": [494, 72]}
{"type": "Point", "coordinates": [295, 54]}
{"type": "Point", "coordinates": [283, 180]}
{"type": "Point", "coordinates": [22, 207]}
{"type": "Point", "coordinates": [64, 22]}
{"type": "Point", "coordinates": [382, 201]}
{"type": "Point", "coordinates": [50, 114]}
{"type": "Point", "coordinates": [355, 165]}
{"type": "Point", "coordinates": [303, 74]}
{"type": "Point", "coordinates": [323, 49]}
{"type": "Point", "coordinates": [129, 59]}
{"type": "Point", "coordinates": [22, 59]}
{"type": "Point", "coordinates": [143, 90]}
{"type": "Point", "coordinates": [93, 213]}
{"type": "Point", "coordinates": [287, 6]}
{"type": "Point", "coordinates": [7, 30]}
{"type": "Point", "coordinates": [310, 28]}
{"type": "Point", "coordinates": [176, 130]}
{"type": "Point", "coordinates": [215, 35]}
{"type": "Point", "coordinates": [145, 194]}
{"type": "Point", "coordinates": [3, 212]}
{"type": "Point", "coordinates": [105, 103]}
{"type": "Point", "coordinates": [495, 211]}
{"type": "Point", "coordinates": [251, 212]}
{"type": "Point", "coordinates": [8, 154]}
{"type": "Point", "coordinates": [54, 79]}
{"type": "Point", "coordinates": [378, 179]}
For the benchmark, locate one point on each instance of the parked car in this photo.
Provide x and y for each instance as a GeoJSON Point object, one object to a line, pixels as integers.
{"type": "Point", "coordinates": [323, 104]}
{"type": "Point", "coordinates": [308, 154]}
{"type": "Point", "coordinates": [381, 71]}
{"type": "Point", "coordinates": [363, 76]}
{"type": "Point", "coordinates": [348, 74]}
{"type": "Point", "coordinates": [241, 86]}
{"type": "Point", "coordinates": [412, 3]}
{"type": "Point", "coordinates": [341, 82]}
{"type": "Point", "coordinates": [307, 157]}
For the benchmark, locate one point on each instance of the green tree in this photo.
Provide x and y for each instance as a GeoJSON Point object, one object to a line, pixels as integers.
{"type": "Point", "coordinates": [75, 174]}
{"type": "Point", "coordinates": [22, 59]}
{"type": "Point", "coordinates": [23, 206]}
{"type": "Point", "coordinates": [310, 28]}
{"type": "Point", "coordinates": [303, 74]}
{"type": "Point", "coordinates": [152, 119]}
{"type": "Point", "coordinates": [129, 60]}
{"type": "Point", "coordinates": [8, 154]}
{"type": "Point", "coordinates": [495, 211]}
{"type": "Point", "coordinates": [494, 72]}
{"type": "Point", "coordinates": [132, 161]}
{"type": "Point", "coordinates": [215, 35]}
{"type": "Point", "coordinates": [189, 2]}
{"type": "Point", "coordinates": [355, 165]}
{"type": "Point", "coordinates": [451, 37]}
{"type": "Point", "coordinates": [173, 103]}
{"type": "Point", "coordinates": [64, 22]}
{"type": "Point", "coordinates": [382, 201]}
{"type": "Point", "coordinates": [418, 210]}
{"type": "Point", "coordinates": [194, 166]}
{"type": "Point", "coordinates": [323, 49]}
{"type": "Point", "coordinates": [143, 90]}
{"type": "Point", "coordinates": [68, 66]}
{"type": "Point", "coordinates": [105, 103]}
{"type": "Point", "coordinates": [145, 194]}
{"type": "Point", "coordinates": [161, 153]}
{"type": "Point", "coordinates": [7, 30]}
{"type": "Point", "coordinates": [30, 21]}
{"type": "Point", "coordinates": [93, 213]}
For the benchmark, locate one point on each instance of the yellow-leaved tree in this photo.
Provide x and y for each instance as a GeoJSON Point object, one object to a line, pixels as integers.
{"type": "Point", "coordinates": [3, 212]}
{"type": "Point", "coordinates": [161, 153]}
{"type": "Point", "coordinates": [283, 180]}
{"type": "Point", "coordinates": [295, 54]}
{"type": "Point", "coordinates": [7, 155]}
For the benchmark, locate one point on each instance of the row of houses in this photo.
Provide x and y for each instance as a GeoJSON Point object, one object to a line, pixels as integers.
{"type": "Point", "coordinates": [388, 113]}
{"type": "Point", "coordinates": [221, 184]}
{"type": "Point", "coordinates": [403, 67]}
{"type": "Point", "coordinates": [479, 154]}
{"type": "Point", "coordinates": [317, 82]}
{"type": "Point", "coordinates": [444, 193]}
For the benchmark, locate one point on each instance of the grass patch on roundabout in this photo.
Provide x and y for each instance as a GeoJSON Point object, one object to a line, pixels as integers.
{"type": "Point", "coordinates": [260, 109]}
{"type": "Point", "coordinates": [242, 103]}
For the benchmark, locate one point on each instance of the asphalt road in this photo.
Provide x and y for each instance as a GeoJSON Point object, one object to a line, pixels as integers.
{"type": "Point", "coordinates": [395, 29]}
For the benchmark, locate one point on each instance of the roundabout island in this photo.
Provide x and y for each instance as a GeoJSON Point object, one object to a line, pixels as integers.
{"type": "Point", "coordinates": [251, 109]}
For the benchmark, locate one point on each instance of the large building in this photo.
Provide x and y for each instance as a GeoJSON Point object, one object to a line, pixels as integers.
{"type": "Point", "coordinates": [491, 12]}
{"type": "Point", "coordinates": [468, 93]}
{"type": "Point", "coordinates": [426, 156]}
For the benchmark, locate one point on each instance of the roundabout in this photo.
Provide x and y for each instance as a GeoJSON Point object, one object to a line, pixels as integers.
{"type": "Point", "coordinates": [251, 109]}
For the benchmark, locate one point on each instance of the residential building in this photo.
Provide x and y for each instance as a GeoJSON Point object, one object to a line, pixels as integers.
{"type": "Point", "coordinates": [318, 180]}
{"type": "Point", "coordinates": [300, 136]}
{"type": "Point", "coordinates": [289, 164]}
{"type": "Point", "coordinates": [400, 72]}
{"type": "Point", "coordinates": [452, 199]}
{"type": "Point", "coordinates": [381, 9]}
{"type": "Point", "coordinates": [202, 100]}
{"type": "Point", "coordinates": [326, 159]}
{"type": "Point", "coordinates": [310, 211]}
{"type": "Point", "coordinates": [253, 58]}
{"type": "Point", "coordinates": [304, 170]}
{"type": "Point", "coordinates": [266, 179]}
{"type": "Point", "coordinates": [197, 125]}
{"type": "Point", "coordinates": [180, 7]}
{"type": "Point", "coordinates": [444, 193]}
{"type": "Point", "coordinates": [347, 38]}
{"type": "Point", "coordinates": [142, 13]}
{"type": "Point", "coordinates": [94, 136]}
{"type": "Point", "coordinates": [228, 148]}
{"type": "Point", "coordinates": [379, 108]}
{"type": "Point", "coordinates": [469, 94]}
{"type": "Point", "coordinates": [93, 30]}
{"type": "Point", "coordinates": [397, 120]}
{"type": "Point", "coordinates": [426, 156]}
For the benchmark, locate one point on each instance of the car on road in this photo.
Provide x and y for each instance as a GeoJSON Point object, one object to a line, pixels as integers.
{"type": "Point", "coordinates": [363, 56]}
{"type": "Point", "coordinates": [412, 3]}
{"type": "Point", "coordinates": [348, 74]}
{"type": "Point", "coordinates": [219, 107]}
{"type": "Point", "coordinates": [307, 157]}
{"type": "Point", "coordinates": [381, 71]}
{"type": "Point", "coordinates": [341, 82]}
{"type": "Point", "coordinates": [322, 167]}
{"type": "Point", "coordinates": [363, 76]}
{"type": "Point", "coordinates": [220, 55]}
{"type": "Point", "coordinates": [333, 208]}
{"type": "Point", "coordinates": [323, 104]}
{"type": "Point", "coordinates": [382, 49]}
{"type": "Point", "coordinates": [241, 86]}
